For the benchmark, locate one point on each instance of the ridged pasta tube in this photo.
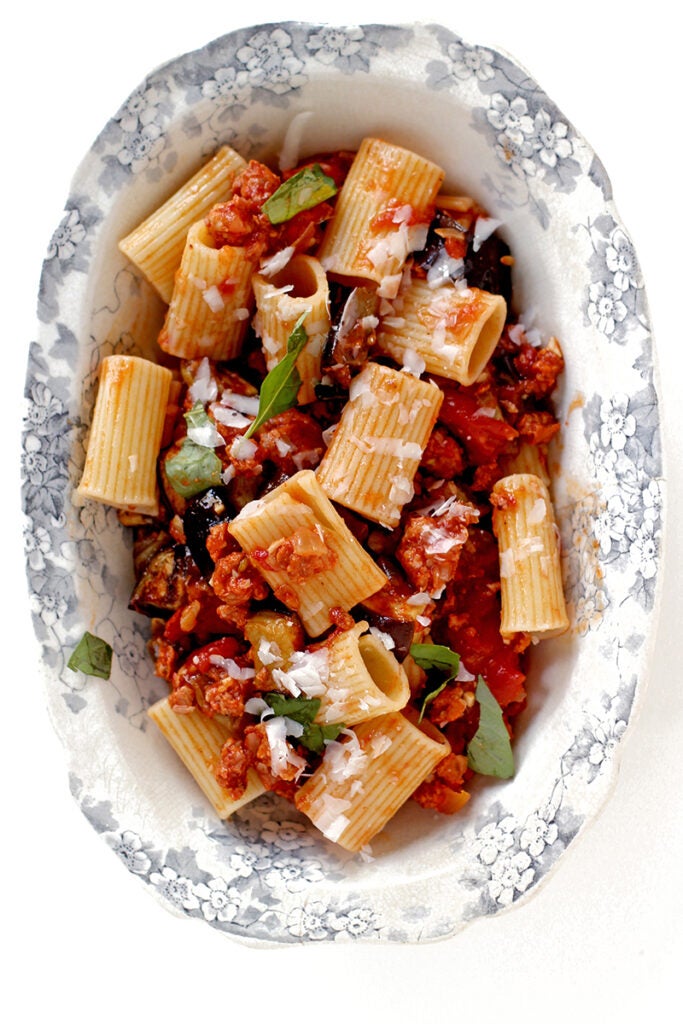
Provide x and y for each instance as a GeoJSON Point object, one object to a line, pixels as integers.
{"type": "Point", "coordinates": [381, 214]}
{"type": "Point", "coordinates": [198, 741]}
{"type": "Point", "coordinates": [453, 331]}
{"type": "Point", "coordinates": [375, 451]}
{"type": "Point", "coordinates": [212, 300]}
{"type": "Point", "coordinates": [289, 529]}
{"type": "Point", "coordinates": [363, 780]}
{"type": "Point", "coordinates": [125, 434]}
{"type": "Point", "coordinates": [532, 598]}
{"type": "Point", "coordinates": [156, 245]}
{"type": "Point", "coordinates": [300, 287]}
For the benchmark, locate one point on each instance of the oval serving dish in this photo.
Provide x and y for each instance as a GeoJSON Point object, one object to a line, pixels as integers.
{"type": "Point", "coordinates": [263, 876]}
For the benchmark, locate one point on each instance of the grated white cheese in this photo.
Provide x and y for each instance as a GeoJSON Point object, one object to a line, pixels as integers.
{"type": "Point", "coordinates": [277, 262]}
{"type": "Point", "coordinates": [281, 752]}
{"type": "Point", "coordinates": [386, 639]}
{"type": "Point", "coordinates": [443, 269]}
{"type": "Point", "coordinates": [537, 512]}
{"type": "Point", "coordinates": [227, 474]}
{"type": "Point", "coordinates": [243, 448]}
{"type": "Point", "coordinates": [234, 670]}
{"type": "Point", "coordinates": [204, 388]}
{"type": "Point", "coordinates": [507, 563]}
{"type": "Point", "coordinates": [413, 362]}
{"type": "Point", "coordinates": [308, 673]}
{"type": "Point", "coordinates": [205, 435]}
{"type": "Point", "coordinates": [213, 298]}
{"type": "Point", "coordinates": [229, 417]}
{"type": "Point", "coordinates": [241, 403]}
{"type": "Point", "coordinates": [344, 759]}
{"type": "Point", "coordinates": [268, 652]}
{"type": "Point", "coordinates": [241, 313]}
{"type": "Point", "coordinates": [396, 447]}
{"type": "Point", "coordinates": [483, 229]}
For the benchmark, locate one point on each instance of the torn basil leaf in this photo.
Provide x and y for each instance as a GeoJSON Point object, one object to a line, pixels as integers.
{"type": "Point", "coordinates": [489, 752]}
{"type": "Point", "coordinates": [302, 191]}
{"type": "Point", "coordinates": [193, 469]}
{"type": "Point", "coordinates": [281, 385]}
{"type": "Point", "coordinates": [435, 656]}
{"type": "Point", "coordinates": [303, 710]}
{"type": "Point", "coordinates": [92, 655]}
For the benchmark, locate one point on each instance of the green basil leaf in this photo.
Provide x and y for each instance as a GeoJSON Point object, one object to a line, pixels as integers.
{"type": "Point", "coordinates": [92, 655]}
{"type": "Point", "coordinates": [302, 191]}
{"type": "Point", "coordinates": [303, 710]}
{"type": "Point", "coordinates": [435, 656]}
{"type": "Point", "coordinates": [193, 469]}
{"type": "Point", "coordinates": [281, 386]}
{"type": "Point", "coordinates": [314, 736]}
{"type": "Point", "coordinates": [300, 709]}
{"type": "Point", "coordinates": [489, 752]}
{"type": "Point", "coordinates": [431, 657]}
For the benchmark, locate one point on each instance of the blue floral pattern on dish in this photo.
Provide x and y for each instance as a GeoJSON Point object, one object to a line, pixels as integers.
{"type": "Point", "coordinates": [264, 877]}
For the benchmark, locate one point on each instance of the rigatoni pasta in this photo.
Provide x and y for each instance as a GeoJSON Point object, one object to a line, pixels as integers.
{"type": "Point", "coordinates": [156, 245]}
{"type": "Point", "coordinates": [452, 331]}
{"type": "Point", "coordinates": [299, 288]}
{"type": "Point", "coordinates": [530, 571]}
{"type": "Point", "coordinates": [303, 548]}
{"type": "Point", "coordinates": [198, 741]}
{"type": "Point", "coordinates": [125, 434]}
{"type": "Point", "coordinates": [363, 781]}
{"type": "Point", "coordinates": [382, 214]}
{"type": "Point", "coordinates": [212, 300]}
{"type": "Point", "coordinates": [375, 451]}
{"type": "Point", "coordinates": [351, 543]}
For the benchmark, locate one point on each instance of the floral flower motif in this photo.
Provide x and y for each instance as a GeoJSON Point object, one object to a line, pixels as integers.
{"type": "Point", "coordinates": [129, 657]}
{"type": "Point", "coordinates": [293, 873]}
{"type": "Point", "coordinates": [128, 845]}
{"type": "Point", "coordinates": [51, 604]}
{"type": "Point", "coordinates": [141, 147]}
{"type": "Point", "coordinates": [175, 888]}
{"type": "Point", "coordinates": [621, 261]}
{"type": "Point", "coordinates": [550, 139]}
{"type": "Point", "coordinates": [271, 63]}
{"type": "Point", "coordinates": [536, 834]}
{"type": "Point", "coordinates": [652, 501]}
{"type": "Point", "coordinates": [248, 859]}
{"type": "Point", "coordinates": [330, 44]}
{"type": "Point", "coordinates": [511, 875]}
{"type": "Point", "coordinates": [219, 901]}
{"type": "Point", "coordinates": [605, 308]}
{"type": "Point", "coordinates": [606, 736]}
{"type": "Point", "coordinates": [511, 117]}
{"type": "Point", "coordinates": [286, 835]}
{"type": "Point", "coordinates": [471, 60]}
{"type": "Point", "coordinates": [616, 423]}
{"type": "Point", "coordinates": [139, 110]}
{"type": "Point", "coordinates": [227, 84]}
{"type": "Point", "coordinates": [37, 545]}
{"type": "Point", "coordinates": [355, 923]}
{"type": "Point", "coordinates": [590, 609]}
{"type": "Point", "coordinates": [517, 154]}
{"type": "Point", "coordinates": [67, 236]}
{"type": "Point", "coordinates": [610, 524]}
{"type": "Point", "coordinates": [310, 921]}
{"type": "Point", "coordinates": [645, 549]}
{"type": "Point", "coordinates": [494, 839]}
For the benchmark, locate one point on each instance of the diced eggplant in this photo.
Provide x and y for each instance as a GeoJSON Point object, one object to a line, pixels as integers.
{"type": "Point", "coordinates": [400, 632]}
{"type": "Point", "coordinates": [351, 335]}
{"type": "Point", "coordinates": [202, 513]}
{"type": "Point", "coordinates": [483, 268]}
{"type": "Point", "coordinates": [162, 587]}
{"type": "Point", "coordinates": [147, 542]}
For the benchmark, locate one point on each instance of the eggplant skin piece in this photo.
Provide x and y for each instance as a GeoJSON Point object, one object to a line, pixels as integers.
{"type": "Point", "coordinates": [401, 632]}
{"type": "Point", "coordinates": [162, 588]}
{"type": "Point", "coordinates": [202, 513]}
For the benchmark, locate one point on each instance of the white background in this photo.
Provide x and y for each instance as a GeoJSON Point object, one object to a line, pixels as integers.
{"type": "Point", "coordinates": [603, 939]}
